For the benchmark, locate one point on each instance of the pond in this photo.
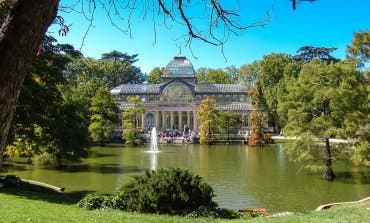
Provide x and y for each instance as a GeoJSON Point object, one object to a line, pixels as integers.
{"type": "Point", "coordinates": [240, 176]}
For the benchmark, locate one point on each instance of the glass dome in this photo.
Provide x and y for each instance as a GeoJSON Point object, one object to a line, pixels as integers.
{"type": "Point", "coordinates": [179, 67]}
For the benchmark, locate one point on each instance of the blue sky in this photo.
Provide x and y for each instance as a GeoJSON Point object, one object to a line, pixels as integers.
{"type": "Point", "coordinates": [326, 23]}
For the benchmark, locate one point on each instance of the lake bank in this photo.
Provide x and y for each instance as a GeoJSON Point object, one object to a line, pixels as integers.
{"type": "Point", "coordinates": [23, 206]}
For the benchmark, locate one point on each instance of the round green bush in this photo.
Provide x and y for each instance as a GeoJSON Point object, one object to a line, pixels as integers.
{"type": "Point", "coordinates": [166, 191]}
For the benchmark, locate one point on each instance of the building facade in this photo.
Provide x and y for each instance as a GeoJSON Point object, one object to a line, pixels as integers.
{"type": "Point", "coordinates": [173, 104]}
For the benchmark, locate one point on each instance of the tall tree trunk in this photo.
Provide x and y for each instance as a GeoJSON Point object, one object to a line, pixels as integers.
{"type": "Point", "coordinates": [329, 174]}
{"type": "Point", "coordinates": [20, 35]}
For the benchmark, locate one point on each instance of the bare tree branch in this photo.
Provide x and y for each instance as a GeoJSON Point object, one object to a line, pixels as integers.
{"type": "Point", "coordinates": [221, 22]}
{"type": "Point", "coordinates": [294, 2]}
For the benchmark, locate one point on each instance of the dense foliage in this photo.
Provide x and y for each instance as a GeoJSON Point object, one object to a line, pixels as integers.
{"type": "Point", "coordinates": [228, 123]}
{"type": "Point", "coordinates": [104, 115]}
{"type": "Point", "coordinates": [359, 48]}
{"type": "Point", "coordinates": [214, 76]}
{"type": "Point", "coordinates": [207, 115]}
{"type": "Point", "coordinates": [154, 76]}
{"type": "Point", "coordinates": [46, 123]}
{"type": "Point", "coordinates": [130, 121]}
{"type": "Point", "coordinates": [325, 101]}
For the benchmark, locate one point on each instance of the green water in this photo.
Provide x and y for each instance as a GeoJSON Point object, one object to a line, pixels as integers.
{"type": "Point", "coordinates": [241, 177]}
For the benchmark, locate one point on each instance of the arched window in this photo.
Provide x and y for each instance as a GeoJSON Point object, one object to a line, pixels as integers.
{"type": "Point", "coordinates": [177, 92]}
{"type": "Point", "coordinates": [149, 121]}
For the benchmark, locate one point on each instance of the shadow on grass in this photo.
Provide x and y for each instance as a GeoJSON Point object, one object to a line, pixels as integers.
{"type": "Point", "coordinates": [44, 194]}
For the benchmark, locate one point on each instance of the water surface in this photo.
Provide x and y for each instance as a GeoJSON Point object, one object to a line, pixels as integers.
{"type": "Point", "coordinates": [240, 176]}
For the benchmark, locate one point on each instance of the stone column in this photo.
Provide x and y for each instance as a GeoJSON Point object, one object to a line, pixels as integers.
{"type": "Point", "coordinates": [156, 119]}
{"type": "Point", "coordinates": [142, 122]}
{"type": "Point", "coordinates": [195, 123]}
{"type": "Point", "coordinates": [188, 119]}
{"type": "Point", "coordinates": [180, 120]}
{"type": "Point", "coordinates": [163, 120]}
{"type": "Point", "coordinates": [171, 119]}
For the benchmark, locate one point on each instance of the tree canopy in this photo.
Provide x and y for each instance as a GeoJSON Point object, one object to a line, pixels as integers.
{"type": "Point", "coordinates": [360, 47]}
{"type": "Point", "coordinates": [46, 123]}
{"type": "Point", "coordinates": [207, 115]}
{"type": "Point", "coordinates": [271, 81]}
{"type": "Point", "coordinates": [154, 76]}
{"type": "Point", "coordinates": [130, 121]}
{"type": "Point", "coordinates": [213, 76]}
{"type": "Point", "coordinates": [104, 115]}
{"type": "Point", "coordinates": [326, 101]}
{"type": "Point", "coordinates": [307, 53]}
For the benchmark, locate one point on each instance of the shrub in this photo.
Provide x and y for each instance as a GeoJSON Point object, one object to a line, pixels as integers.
{"type": "Point", "coordinates": [45, 159]}
{"type": "Point", "coordinates": [96, 201]}
{"type": "Point", "coordinates": [215, 213]}
{"type": "Point", "coordinates": [167, 191]}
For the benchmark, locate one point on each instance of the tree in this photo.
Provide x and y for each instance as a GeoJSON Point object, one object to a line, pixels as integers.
{"type": "Point", "coordinates": [85, 72]}
{"type": "Point", "coordinates": [271, 81]}
{"type": "Point", "coordinates": [130, 121]}
{"type": "Point", "coordinates": [232, 72]}
{"type": "Point", "coordinates": [213, 76]}
{"type": "Point", "coordinates": [117, 75]}
{"type": "Point", "coordinates": [249, 73]}
{"type": "Point", "coordinates": [326, 101]}
{"type": "Point", "coordinates": [104, 114]}
{"type": "Point", "coordinates": [307, 53]}
{"type": "Point", "coordinates": [360, 47]}
{"type": "Point", "coordinates": [119, 56]}
{"type": "Point", "coordinates": [46, 124]}
{"type": "Point", "coordinates": [19, 41]}
{"type": "Point", "coordinates": [154, 76]}
{"type": "Point", "coordinates": [257, 117]}
{"type": "Point", "coordinates": [207, 115]}
{"type": "Point", "coordinates": [228, 122]}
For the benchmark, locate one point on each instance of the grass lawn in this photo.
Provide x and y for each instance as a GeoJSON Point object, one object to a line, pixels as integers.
{"type": "Point", "coordinates": [26, 206]}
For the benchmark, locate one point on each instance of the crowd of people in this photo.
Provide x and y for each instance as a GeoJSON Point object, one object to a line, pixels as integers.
{"type": "Point", "coordinates": [177, 136]}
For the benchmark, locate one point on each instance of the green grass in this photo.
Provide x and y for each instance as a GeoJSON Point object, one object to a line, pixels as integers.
{"type": "Point", "coordinates": [26, 206]}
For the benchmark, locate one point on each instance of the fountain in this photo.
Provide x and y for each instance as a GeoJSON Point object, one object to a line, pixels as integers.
{"type": "Point", "coordinates": [153, 141]}
{"type": "Point", "coordinates": [153, 149]}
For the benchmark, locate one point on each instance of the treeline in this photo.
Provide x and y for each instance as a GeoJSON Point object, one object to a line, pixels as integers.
{"type": "Point", "coordinates": [65, 104]}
